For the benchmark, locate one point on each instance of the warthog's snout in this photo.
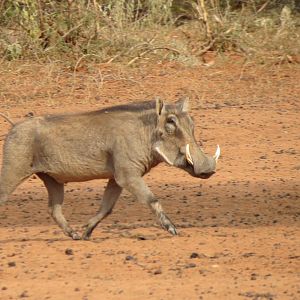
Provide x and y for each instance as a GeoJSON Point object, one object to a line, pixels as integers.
{"type": "Point", "coordinates": [202, 166]}
{"type": "Point", "coordinates": [209, 170]}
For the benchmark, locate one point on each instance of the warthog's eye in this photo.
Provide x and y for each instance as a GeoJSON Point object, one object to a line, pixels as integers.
{"type": "Point", "coordinates": [172, 120]}
{"type": "Point", "coordinates": [171, 124]}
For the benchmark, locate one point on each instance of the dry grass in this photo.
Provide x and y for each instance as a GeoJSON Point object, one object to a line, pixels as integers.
{"type": "Point", "coordinates": [133, 31]}
{"type": "Point", "coordinates": [47, 86]}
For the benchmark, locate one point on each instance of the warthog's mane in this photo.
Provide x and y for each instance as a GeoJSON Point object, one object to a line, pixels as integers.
{"type": "Point", "coordinates": [147, 108]}
{"type": "Point", "coordinates": [130, 107]}
{"type": "Point", "coordinates": [143, 106]}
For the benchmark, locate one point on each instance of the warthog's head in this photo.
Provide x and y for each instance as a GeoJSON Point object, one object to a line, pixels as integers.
{"type": "Point", "coordinates": [175, 141]}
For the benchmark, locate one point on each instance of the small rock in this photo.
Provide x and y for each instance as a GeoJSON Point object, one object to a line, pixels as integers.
{"type": "Point", "coordinates": [248, 254]}
{"type": "Point", "coordinates": [129, 257]}
{"type": "Point", "coordinates": [11, 264]}
{"type": "Point", "coordinates": [29, 114]}
{"type": "Point", "coordinates": [24, 294]}
{"type": "Point", "coordinates": [194, 255]}
{"type": "Point", "coordinates": [69, 251]}
{"type": "Point", "coordinates": [157, 272]}
{"type": "Point", "coordinates": [190, 265]}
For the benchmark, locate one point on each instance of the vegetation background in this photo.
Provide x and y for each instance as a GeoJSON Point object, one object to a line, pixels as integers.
{"type": "Point", "coordinates": [131, 31]}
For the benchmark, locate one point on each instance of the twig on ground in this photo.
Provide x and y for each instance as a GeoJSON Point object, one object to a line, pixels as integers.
{"type": "Point", "coordinates": [207, 48]}
{"type": "Point", "coordinates": [125, 52]}
{"type": "Point", "coordinates": [77, 65]}
{"type": "Point", "coordinates": [150, 50]}
{"type": "Point", "coordinates": [246, 62]}
{"type": "Point", "coordinates": [7, 119]}
{"type": "Point", "coordinates": [145, 44]}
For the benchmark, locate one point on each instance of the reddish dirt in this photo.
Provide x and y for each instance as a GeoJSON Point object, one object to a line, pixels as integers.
{"type": "Point", "coordinates": [239, 230]}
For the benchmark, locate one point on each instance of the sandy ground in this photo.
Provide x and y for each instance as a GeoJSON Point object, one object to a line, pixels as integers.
{"type": "Point", "coordinates": [239, 231]}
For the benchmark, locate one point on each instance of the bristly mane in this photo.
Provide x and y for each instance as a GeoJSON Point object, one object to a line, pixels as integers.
{"type": "Point", "coordinates": [131, 107]}
{"type": "Point", "coordinates": [144, 106]}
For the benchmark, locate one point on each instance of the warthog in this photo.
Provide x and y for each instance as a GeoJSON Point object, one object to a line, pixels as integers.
{"type": "Point", "coordinates": [120, 143]}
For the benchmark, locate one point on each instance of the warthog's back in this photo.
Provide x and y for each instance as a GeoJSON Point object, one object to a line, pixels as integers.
{"type": "Point", "coordinates": [78, 147]}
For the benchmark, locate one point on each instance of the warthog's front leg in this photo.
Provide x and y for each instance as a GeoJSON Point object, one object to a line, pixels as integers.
{"type": "Point", "coordinates": [110, 197]}
{"type": "Point", "coordinates": [138, 187]}
{"type": "Point", "coordinates": [164, 220]}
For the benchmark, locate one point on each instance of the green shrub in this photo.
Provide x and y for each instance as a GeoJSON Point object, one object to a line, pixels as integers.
{"type": "Point", "coordinates": [124, 30]}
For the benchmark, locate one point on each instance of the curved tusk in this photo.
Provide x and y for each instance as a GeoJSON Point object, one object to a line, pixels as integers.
{"type": "Point", "coordinates": [163, 156]}
{"type": "Point", "coordinates": [188, 154]}
{"type": "Point", "coordinates": [217, 154]}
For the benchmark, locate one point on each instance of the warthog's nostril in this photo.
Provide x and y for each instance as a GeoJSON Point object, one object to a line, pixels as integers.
{"type": "Point", "coordinates": [206, 175]}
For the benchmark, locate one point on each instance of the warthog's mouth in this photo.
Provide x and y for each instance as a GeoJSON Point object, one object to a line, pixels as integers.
{"type": "Point", "coordinates": [189, 157]}
{"type": "Point", "coordinates": [188, 168]}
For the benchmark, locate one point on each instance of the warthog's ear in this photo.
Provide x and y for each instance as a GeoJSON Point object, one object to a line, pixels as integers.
{"type": "Point", "coordinates": [160, 106]}
{"type": "Point", "coordinates": [183, 105]}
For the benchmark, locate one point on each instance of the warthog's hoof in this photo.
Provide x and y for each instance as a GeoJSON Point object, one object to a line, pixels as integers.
{"type": "Point", "coordinates": [85, 237]}
{"type": "Point", "coordinates": [172, 230]}
{"type": "Point", "coordinates": [74, 235]}
{"type": "Point", "coordinates": [168, 225]}
{"type": "Point", "coordinates": [87, 232]}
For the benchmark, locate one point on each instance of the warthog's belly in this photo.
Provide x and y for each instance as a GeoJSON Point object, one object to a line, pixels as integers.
{"type": "Point", "coordinates": [65, 177]}
{"type": "Point", "coordinates": [69, 167]}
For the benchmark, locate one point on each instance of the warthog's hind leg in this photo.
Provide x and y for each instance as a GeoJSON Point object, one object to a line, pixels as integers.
{"type": "Point", "coordinates": [56, 198]}
{"type": "Point", "coordinates": [110, 197]}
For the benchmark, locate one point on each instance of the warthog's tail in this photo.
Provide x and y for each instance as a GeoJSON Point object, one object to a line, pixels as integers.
{"type": "Point", "coordinates": [7, 119]}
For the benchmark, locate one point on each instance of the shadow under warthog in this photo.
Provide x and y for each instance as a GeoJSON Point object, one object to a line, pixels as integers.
{"type": "Point", "coordinates": [228, 205]}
